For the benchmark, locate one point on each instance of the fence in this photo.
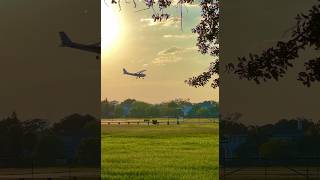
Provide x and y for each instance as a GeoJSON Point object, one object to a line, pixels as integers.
{"type": "Point", "coordinates": [30, 170]}
{"type": "Point", "coordinates": [261, 168]}
{"type": "Point", "coordinates": [154, 122]}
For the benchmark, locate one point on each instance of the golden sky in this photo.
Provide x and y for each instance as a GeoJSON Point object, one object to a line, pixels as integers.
{"type": "Point", "coordinates": [133, 41]}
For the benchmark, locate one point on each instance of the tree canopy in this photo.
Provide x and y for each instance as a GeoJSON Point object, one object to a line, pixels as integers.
{"type": "Point", "coordinates": [37, 141]}
{"type": "Point", "coordinates": [176, 108]}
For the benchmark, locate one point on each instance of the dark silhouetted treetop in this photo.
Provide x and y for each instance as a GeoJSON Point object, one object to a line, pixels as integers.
{"type": "Point", "coordinates": [207, 42]}
{"type": "Point", "coordinates": [274, 62]}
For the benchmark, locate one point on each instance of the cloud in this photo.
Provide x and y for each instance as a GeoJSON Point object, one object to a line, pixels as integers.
{"type": "Point", "coordinates": [171, 51]}
{"type": "Point", "coordinates": [194, 3]}
{"type": "Point", "coordinates": [163, 60]}
{"type": "Point", "coordinates": [172, 21]}
{"type": "Point", "coordinates": [190, 49]}
{"type": "Point", "coordinates": [178, 36]}
{"type": "Point", "coordinates": [171, 55]}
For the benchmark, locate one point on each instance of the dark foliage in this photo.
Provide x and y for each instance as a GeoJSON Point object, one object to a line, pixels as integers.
{"type": "Point", "coordinates": [273, 63]}
{"type": "Point", "coordinates": [34, 141]}
{"type": "Point", "coordinates": [89, 152]}
{"type": "Point", "coordinates": [207, 42]}
{"type": "Point", "coordinates": [285, 139]}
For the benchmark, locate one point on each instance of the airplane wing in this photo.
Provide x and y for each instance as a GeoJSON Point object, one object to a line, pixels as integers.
{"type": "Point", "coordinates": [141, 71]}
{"type": "Point", "coordinates": [95, 44]}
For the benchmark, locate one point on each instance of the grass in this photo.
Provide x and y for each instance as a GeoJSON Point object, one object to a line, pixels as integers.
{"type": "Point", "coordinates": [185, 151]}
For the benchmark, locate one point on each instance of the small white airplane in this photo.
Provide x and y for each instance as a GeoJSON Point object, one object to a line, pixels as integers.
{"type": "Point", "coordinates": [139, 74]}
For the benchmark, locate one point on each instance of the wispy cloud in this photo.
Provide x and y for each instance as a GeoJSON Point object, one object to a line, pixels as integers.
{"type": "Point", "coordinates": [163, 60]}
{"type": "Point", "coordinates": [172, 21]}
{"type": "Point", "coordinates": [171, 55]}
{"type": "Point", "coordinates": [179, 36]}
{"type": "Point", "coordinates": [194, 48]}
{"type": "Point", "coordinates": [171, 51]}
{"type": "Point", "coordinates": [194, 4]}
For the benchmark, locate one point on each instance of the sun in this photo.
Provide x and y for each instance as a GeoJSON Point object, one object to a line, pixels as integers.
{"type": "Point", "coordinates": [110, 27]}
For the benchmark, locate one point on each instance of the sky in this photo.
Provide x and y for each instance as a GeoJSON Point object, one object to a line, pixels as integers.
{"type": "Point", "coordinates": [250, 26]}
{"type": "Point", "coordinates": [133, 41]}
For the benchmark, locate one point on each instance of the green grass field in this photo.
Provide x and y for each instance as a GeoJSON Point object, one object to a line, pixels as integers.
{"type": "Point", "coordinates": [185, 151]}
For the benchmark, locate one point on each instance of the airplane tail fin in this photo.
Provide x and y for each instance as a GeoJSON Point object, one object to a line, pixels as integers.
{"type": "Point", "coordinates": [65, 40]}
{"type": "Point", "coordinates": [125, 71]}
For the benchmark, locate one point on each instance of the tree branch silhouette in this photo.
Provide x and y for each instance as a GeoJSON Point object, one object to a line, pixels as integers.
{"type": "Point", "coordinates": [207, 43]}
{"type": "Point", "coordinates": [273, 63]}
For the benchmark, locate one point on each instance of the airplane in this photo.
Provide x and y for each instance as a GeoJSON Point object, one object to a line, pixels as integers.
{"type": "Point", "coordinates": [66, 42]}
{"type": "Point", "coordinates": [139, 74]}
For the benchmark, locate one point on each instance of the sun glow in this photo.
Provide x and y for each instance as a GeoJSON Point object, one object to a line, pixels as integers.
{"type": "Point", "coordinates": [110, 27]}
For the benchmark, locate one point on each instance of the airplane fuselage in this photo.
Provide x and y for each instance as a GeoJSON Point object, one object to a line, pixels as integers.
{"type": "Point", "coordinates": [138, 75]}
{"type": "Point", "coordinates": [90, 48]}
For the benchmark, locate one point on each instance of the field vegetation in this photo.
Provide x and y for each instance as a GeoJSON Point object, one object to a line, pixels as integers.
{"type": "Point", "coordinates": [184, 151]}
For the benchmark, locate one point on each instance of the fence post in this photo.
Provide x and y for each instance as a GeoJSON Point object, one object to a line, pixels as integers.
{"type": "Point", "coordinates": [318, 171]}
{"type": "Point", "coordinates": [265, 169]}
{"type": "Point", "coordinates": [69, 169]}
{"type": "Point", "coordinates": [32, 168]}
{"type": "Point", "coordinates": [224, 168]}
{"type": "Point", "coordinates": [224, 165]}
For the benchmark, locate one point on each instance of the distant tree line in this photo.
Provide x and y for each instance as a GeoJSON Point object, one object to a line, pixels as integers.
{"type": "Point", "coordinates": [287, 139]}
{"type": "Point", "coordinates": [74, 140]}
{"type": "Point", "coordinates": [132, 108]}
